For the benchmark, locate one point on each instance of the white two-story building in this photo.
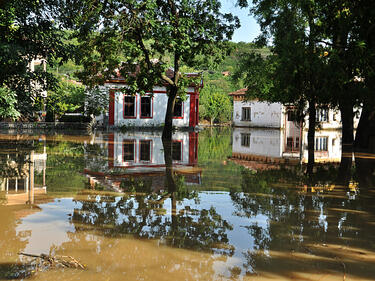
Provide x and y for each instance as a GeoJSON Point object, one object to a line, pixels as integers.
{"type": "Point", "coordinates": [268, 131]}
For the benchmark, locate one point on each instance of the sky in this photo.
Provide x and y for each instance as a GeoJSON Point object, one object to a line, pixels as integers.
{"type": "Point", "coordinates": [249, 29]}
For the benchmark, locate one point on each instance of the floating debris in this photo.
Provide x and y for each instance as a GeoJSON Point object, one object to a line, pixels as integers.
{"type": "Point", "coordinates": [44, 262]}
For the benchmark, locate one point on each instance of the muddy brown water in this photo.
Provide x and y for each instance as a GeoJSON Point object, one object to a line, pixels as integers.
{"type": "Point", "coordinates": [102, 200]}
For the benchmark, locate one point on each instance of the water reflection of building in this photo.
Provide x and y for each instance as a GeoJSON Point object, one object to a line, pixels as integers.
{"type": "Point", "coordinates": [284, 145]}
{"type": "Point", "coordinates": [140, 155]}
{"type": "Point", "coordinates": [17, 182]}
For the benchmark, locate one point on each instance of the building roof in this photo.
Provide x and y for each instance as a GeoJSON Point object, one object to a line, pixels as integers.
{"type": "Point", "coordinates": [169, 73]}
{"type": "Point", "coordinates": [240, 95]}
{"type": "Point", "coordinates": [240, 92]}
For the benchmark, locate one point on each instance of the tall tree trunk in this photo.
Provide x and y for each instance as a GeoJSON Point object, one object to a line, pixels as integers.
{"type": "Point", "coordinates": [169, 177]}
{"type": "Point", "coordinates": [365, 129]}
{"type": "Point", "coordinates": [311, 137]}
{"type": "Point", "coordinates": [347, 115]}
{"type": "Point", "coordinates": [168, 123]}
{"type": "Point", "coordinates": [170, 183]}
{"type": "Point", "coordinates": [365, 171]}
{"type": "Point", "coordinates": [312, 97]}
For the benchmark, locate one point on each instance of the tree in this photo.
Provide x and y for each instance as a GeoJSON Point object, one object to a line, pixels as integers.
{"type": "Point", "coordinates": [28, 30]}
{"type": "Point", "coordinates": [364, 13]}
{"type": "Point", "coordinates": [342, 34]}
{"type": "Point", "coordinates": [139, 37]}
{"type": "Point", "coordinates": [8, 102]}
{"type": "Point", "coordinates": [67, 97]}
{"type": "Point", "coordinates": [96, 101]}
{"type": "Point", "coordinates": [298, 65]}
{"type": "Point", "coordinates": [215, 105]}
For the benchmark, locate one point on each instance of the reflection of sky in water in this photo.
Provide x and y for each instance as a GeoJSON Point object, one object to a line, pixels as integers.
{"type": "Point", "coordinates": [48, 227]}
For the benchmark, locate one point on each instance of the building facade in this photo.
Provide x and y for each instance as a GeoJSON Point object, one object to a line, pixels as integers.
{"type": "Point", "coordinates": [256, 113]}
{"type": "Point", "coordinates": [149, 110]}
{"type": "Point", "coordinates": [264, 114]}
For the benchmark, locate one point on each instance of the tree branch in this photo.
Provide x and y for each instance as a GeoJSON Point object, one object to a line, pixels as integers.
{"type": "Point", "coordinates": [143, 48]}
{"type": "Point", "coordinates": [167, 79]}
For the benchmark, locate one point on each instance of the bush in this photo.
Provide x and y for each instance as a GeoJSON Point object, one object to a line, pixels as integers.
{"type": "Point", "coordinates": [68, 97]}
{"type": "Point", "coordinates": [8, 102]}
{"type": "Point", "coordinates": [215, 106]}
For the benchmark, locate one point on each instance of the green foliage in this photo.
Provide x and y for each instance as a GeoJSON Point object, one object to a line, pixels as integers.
{"type": "Point", "coordinates": [66, 69]}
{"type": "Point", "coordinates": [139, 36]}
{"type": "Point", "coordinates": [8, 100]}
{"type": "Point", "coordinates": [28, 30]}
{"type": "Point", "coordinates": [65, 163]}
{"type": "Point", "coordinates": [213, 151]}
{"type": "Point", "coordinates": [215, 105]}
{"type": "Point", "coordinates": [97, 100]}
{"type": "Point", "coordinates": [318, 49]}
{"type": "Point", "coordinates": [236, 55]}
{"type": "Point", "coordinates": [256, 73]}
{"type": "Point", "coordinates": [67, 97]}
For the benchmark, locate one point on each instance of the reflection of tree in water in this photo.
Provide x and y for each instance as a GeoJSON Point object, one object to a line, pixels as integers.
{"type": "Point", "coordinates": [164, 215]}
{"type": "Point", "coordinates": [144, 216]}
{"type": "Point", "coordinates": [96, 156]}
{"type": "Point", "coordinates": [365, 170]}
{"type": "Point", "coordinates": [14, 157]}
{"type": "Point", "coordinates": [297, 214]}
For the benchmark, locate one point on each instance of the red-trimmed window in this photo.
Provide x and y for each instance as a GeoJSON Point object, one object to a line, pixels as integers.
{"type": "Point", "coordinates": [128, 150]}
{"type": "Point", "coordinates": [146, 107]}
{"type": "Point", "coordinates": [145, 150]}
{"type": "Point", "coordinates": [178, 109]}
{"type": "Point", "coordinates": [129, 107]}
{"type": "Point", "coordinates": [177, 150]}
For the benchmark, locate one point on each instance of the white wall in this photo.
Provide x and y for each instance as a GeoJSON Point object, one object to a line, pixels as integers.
{"type": "Point", "coordinates": [263, 114]}
{"type": "Point", "coordinates": [272, 115]}
{"type": "Point", "coordinates": [263, 142]}
{"type": "Point", "coordinates": [334, 120]}
{"type": "Point", "coordinates": [159, 109]}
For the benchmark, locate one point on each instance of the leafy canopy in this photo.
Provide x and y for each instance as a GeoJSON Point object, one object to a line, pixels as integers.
{"type": "Point", "coordinates": [215, 105]}
{"type": "Point", "coordinates": [8, 104]}
{"type": "Point", "coordinates": [140, 37]}
{"type": "Point", "coordinates": [28, 30]}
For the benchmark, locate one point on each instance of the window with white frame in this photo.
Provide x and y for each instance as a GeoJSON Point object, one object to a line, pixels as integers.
{"type": "Point", "coordinates": [245, 140]}
{"type": "Point", "coordinates": [246, 114]}
{"type": "Point", "coordinates": [292, 143]}
{"type": "Point", "coordinates": [321, 144]}
{"type": "Point", "coordinates": [321, 115]}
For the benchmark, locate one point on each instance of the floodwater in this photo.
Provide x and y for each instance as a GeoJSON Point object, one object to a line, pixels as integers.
{"type": "Point", "coordinates": [239, 208]}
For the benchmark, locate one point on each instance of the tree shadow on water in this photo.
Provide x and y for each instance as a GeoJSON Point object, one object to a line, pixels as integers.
{"type": "Point", "coordinates": [314, 226]}
{"type": "Point", "coordinates": [12, 271]}
{"type": "Point", "coordinates": [170, 214]}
